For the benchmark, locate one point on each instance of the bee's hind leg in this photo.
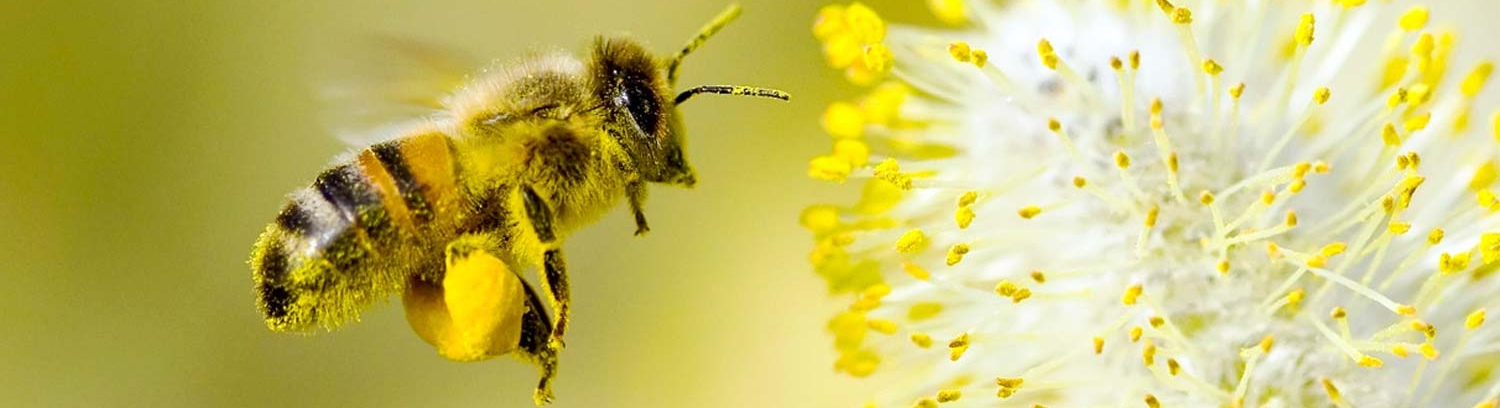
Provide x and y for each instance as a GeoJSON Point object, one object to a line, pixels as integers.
{"type": "Point", "coordinates": [636, 191]}
{"type": "Point", "coordinates": [535, 345]}
{"type": "Point", "coordinates": [554, 270]}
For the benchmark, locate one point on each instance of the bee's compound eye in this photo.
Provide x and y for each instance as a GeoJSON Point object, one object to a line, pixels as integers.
{"type": "Point", "coordinates": [644, 106]}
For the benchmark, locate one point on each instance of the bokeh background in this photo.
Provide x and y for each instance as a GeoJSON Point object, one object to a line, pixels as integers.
{"type": "Point", "coordinates": [144, 145]}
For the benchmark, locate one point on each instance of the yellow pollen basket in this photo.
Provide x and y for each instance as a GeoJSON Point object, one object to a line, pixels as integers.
{"type": "Point", "coordinates": [475, 314]}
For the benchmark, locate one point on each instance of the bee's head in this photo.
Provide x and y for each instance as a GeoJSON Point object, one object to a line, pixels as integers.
{"type": "Point", "coordinates": [635, 89]}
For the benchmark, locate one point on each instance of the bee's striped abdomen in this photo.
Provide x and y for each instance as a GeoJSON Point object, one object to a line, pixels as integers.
{"type": "Point", "coordinates": [353, 236]}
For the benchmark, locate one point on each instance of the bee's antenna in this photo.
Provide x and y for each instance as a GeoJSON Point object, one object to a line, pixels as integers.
{"type": "Point", "coordinates": [713, 27]}
{"type": "Point", "coordinates": [733, 90]}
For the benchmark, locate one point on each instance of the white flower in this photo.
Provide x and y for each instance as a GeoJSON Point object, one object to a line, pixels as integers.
{"type": "Point", "coordinates": [1135, 203]}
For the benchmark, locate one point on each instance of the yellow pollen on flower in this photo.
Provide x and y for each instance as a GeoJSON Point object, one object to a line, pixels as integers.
{"type": "Point", "coordinates": [1417, 122]}
{"type": "Point", "coordinates": [1173, 367]}
{"type": "Point", "coordinates": [1222, 266]}
{"type": "Point", "coordinates": [1098, 345]}
{"type": "Point", "coordinates": [1406, 310]}
{"type": "Point", "coordinates": [1006, 288]}
{"type": "Point", "coordinates": [1021, 294]}
{"type": "Point", "coordinates": [1489, 247]}
{"type": "Point", "coordinates": [948, 395]}
{"type": "Point", "coordinates": [1296, 297]}
{"type": "Point", "coordinates": [1474, 320]}
{"type": "Point", "coordinates": [964, 216]}
{"type": "Point", "coordinates": [926, 403]}
{"type": "Point", "coordinates": [1368, 361]}
{"type": "Point", "coordinates": [1400, 351]}
{"type": "Point", "coordinates": [1212, 67]}
{"type": "Point", "coordinates": [1132, 294]}
{"type": "Point", "coordinates": [890, 171]}
{"type": "Point", "coordinates": [1321, 95]}
{"type": "Point", "coordinates": [911, 242]}
{"type": "Point", "coordinates": [1237, 90]}
{"type": "Point", "coordinates": [1333, 249]}
{"type": "Point", "coordinates": [980, 58]}
{"type": "Point", "coordinates": [958, 346]}
{"type": "Point", "coordinates": [1476, 79]}
{"type": "Point", "coordinates": [1048, 55]}
{"type": "Point", "coordinates": [1148, 353]}
{"type": "Point", "coordinates": [1435, 237]}
{"type": "Point", "coordinates": [1489, 403]}
{"type": "Point", "coordinates": [1304, 34]}
{"type": "Point", "coordinates": [1297, 186]}
{"type": "Point", "coordinates": [843, 120]}
{"type": "Point", "coordinates": [961, 52]}
{"type": "Point", "coordinates": [864, 24]}
{"type": "Point", "coordinates": [1206, 197]}
{"type": "Point", "coordinates": [923, 311]}
{"type": "Point", "coordinates": [853, 151]}
{"type": "Point", "coordinates": [1266, 343]}
{"type": "Point", "coordinates": [1122, 160]}
{"type": "Point", "coordinates": [1151, 401]}
{"type": "Point", "coordinates": [1156, 321]}
{"type": "Point", "coordinates": [1414, 19]}
{"type": "Point", "coordinates": [1135, 333]}
{"type": "Point", "coordinates": [956, 253]}
{"type": "Point", "coordinates": [921, 340]}
{"type": "Point", "coordinates": [1484, 176]}
{"type": "Point", "coordinates": [1291, 219]}
{"type": "Point", "coordinates": [882, 326]}
{"type": "Point", "coordinates": [1038, 277]}
{"type": "Point", "coordinates": [1398, 228]}
{"type": "Point", "coordinates": [878, 58]}
{"type": "Point", "coordinates": [830, 168]}
{"type": "Point", "coordinates": [1428, 351]}
{"type": "Point", "coordinates": [1338, 312]}
{"type": "Point", "coordinates": [1273, 251]}
{"type": "Point", "coordinates": [1151, 215]}
{"type": "Point", "coordinates": [1029, 212]}
{"type": "Point", "coordinates": [968, 198]}
{"type": "Point", "coordinates": [1333, 391]}
{"type": "Point", "coordinates": [1080, 182]}
{"type": "Point", "coordinates": [1135, 60]}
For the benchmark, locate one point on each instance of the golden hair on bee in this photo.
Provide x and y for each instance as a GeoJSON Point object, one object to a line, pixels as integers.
{"type": "Point", "coordinates": [450, 213]}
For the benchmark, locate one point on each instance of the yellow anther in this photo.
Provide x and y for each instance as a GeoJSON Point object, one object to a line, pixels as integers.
{"type": "Point", "coordinates": [1151, 401]}
{"type": "Point", "coordinates": [1006, 288]}
{"type": "Point", "coordinates": [1135, 333]}
{"type": "Point", "coordinates": [1399, 97]}
{"type": "Point", "coordinates": [1338, 313]}
{"type": "Point", "coordinates": [1206, 197]}
{"type": "Point", "coordinates": [1151, 215]}
{"type": "Point", "coordinates": [1321, 95]}
{"type": "Point", "coordinates": [968, 198]}
{"type": "Point", "coordinates": [1398, 228]}
{"type": "Point", "coordinates": [1333, 249]}
{"type": "Point", "coordinates": [1402, 162]}
{"type": "Point", "coordinates": [1427, 329]}
{"type": "Point", "coordinates": [1029, 211]}
{"type": "Point", "coordinates": [1476, 79]}
{"type": "Point", "coordinates": [1474, 320]}
{"type": "Point", "coordinates": [1406, 310]}
{"type": "Point", "coordinates": [1487, 199]}
{"type": "Point", "coordinates": [1297, 186]}
{"type": "Point", "coordinates": [1156, 107]}
{"type": "Point", "coordinates": [1368, 361]}
{"type": "Point", "coordinates": [1267, 197]}
{"type": "Point", "coordinates": [1304, 34]}
{"type": "Point", "coordinates": [1266, 343]}
{"type": "Point", "coordinates": [1038, 277]}
{"type": "Point", "coordinates": [1435, 237]}
{"type": "Point", "coordinates": [1148, 353]}
{"type": "Point", "coordinates": [1496, 125]}
{"type": "Point", "coordinates": [883, 104]}
{"type": "Point", "coordinates": [1132, 294]}
{"type": "Point", "coordinates": [1122, 160]}
{"type": "Point", "coordinates": [1098, 345]}
{"type": "Point", "coordinates": [1212, 67]}
{"type": "Point", "coordinates": [1489, 403]}
{"type": "Point", "coordinates": [830, 21]}
{"type": "Point", "coordinates": [1273, 251]}
{"type": "Point", "coordinates": [1389, 135]}
{"type": "Point", "coordinates": [948, 395]}
{"type": "Point", "coordinates": [1054, 125]}
{"type": "Point", "coordinates": [961, 51]}
{"type": "Point", "coordinates": [958, 346]}
{"type": "Point", "coordinates": [964, 216]}
{"type": "Point", "coordinates": [855, 152]}
{"type": "Point", "coordinates": [882, 326]}
{"type": "Point", "coordinates": [1181, 16]}
{"type": "Point", "coordinates": [921, 340]}
{"type": "Point", "coordinates": [1429, 351]}
{"type": "Point", "coordinates": [1291, 219]}
{"type": "Point", "coordinates": [1156, 321]}
{"type": "Point", "coordinates": [1222, 266]}
{"type": "Point", "coordinates": [1080, 182]}
{"type": "Point", "coordinates": [923, 311]}
{"type": "Point", "coordinates": [890, 171]}
{"type": "Point", "coordinates": [864, 24]}
{"type": "Point", "coordinates": [1173, 367]}
{"type": "Point", "coordinates": [1489, 247]}
{"type": "Point", "coordinates": [1116, 64]}
{"type": "Point", "coordinates": [878, 58]}
{"type": "Point", "coordinates": [1417, 122]}
{"type": "Point", "coordinates": [1400, 351]}
{"type": "Point", "coordinates": [1350, 3]}
{"type": "Point", "coordinates": [956, 253]}
{"type": "Point", "coordinates": [1322, 167]}
{"type": "Point", "coordinates": [981, 57]}
{"type": "Point", "coordinates": [858, 363]}
{"type": "Point", "coordinates": [843, 120]}
{"type": "Point", "coordinates": [1014, 382]}
{"type": "Point", "coordinates": [819, 219]}
{"type": "Point", "coordinates": [1333, 392]}
{"type": "Point", "coordinates": [1296, 297]}
{"type": "Point", "coordinates": [1484, 176]}
{"type": "Point", "coordinates": [1455, 263]}
{"type": "Point", "coordinates": [1048, 55]}
{"type": "Point", "coordinates": [1317, 262]}
{"type": "Point", "coordinates": [949, 11]}
{"type": "Point", "coordinates": [1166, 6]}
{"type": "Point", "coordinates": [829, 168]}
{"type": "Point", "coordinates": [1414, 19]}
{"type": "Point", "coordinates": [876, 291]}
{"type": "Point", "coordinates": [1237, 90]}
{"type": "Point", "coordinates": [1021, 294]}
{"type": "Point", "coordinates": [1135, 60]}
{"type": "Point", "coordinates": [911, 242]}
{"type": "Point", "coordinates": [926, 403]}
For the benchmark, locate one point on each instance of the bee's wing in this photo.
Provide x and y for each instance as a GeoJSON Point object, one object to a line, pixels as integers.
{"type": "Point", "coordinates": [387, 84]}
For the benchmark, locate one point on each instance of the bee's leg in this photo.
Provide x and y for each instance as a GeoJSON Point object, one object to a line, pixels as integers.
{"type": "Point", "coordinates": [636, 191]}
{"type": "Point", "coordinates": [535, 345]}
{"type": "Point", "coordinates": [554, 271]}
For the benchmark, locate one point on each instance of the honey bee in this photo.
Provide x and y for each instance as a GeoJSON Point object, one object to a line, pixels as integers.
{"type": "Point", "coordinates": [451, 212]}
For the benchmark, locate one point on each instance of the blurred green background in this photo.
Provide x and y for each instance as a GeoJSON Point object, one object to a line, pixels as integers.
{"type": "Point", "coordinates": [144, 145]}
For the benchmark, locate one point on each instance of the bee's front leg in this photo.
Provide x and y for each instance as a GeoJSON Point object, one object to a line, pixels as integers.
{"type": "Point", "coordinates": [554, 271]}
{"type": "Point", "coordinates": [636, 192]}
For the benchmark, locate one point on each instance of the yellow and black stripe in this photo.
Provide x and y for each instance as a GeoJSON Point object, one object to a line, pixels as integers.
{"type": "Point", "coordinates": [334, 248]}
